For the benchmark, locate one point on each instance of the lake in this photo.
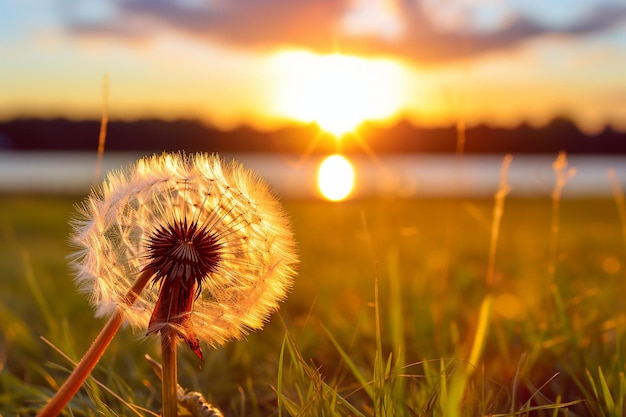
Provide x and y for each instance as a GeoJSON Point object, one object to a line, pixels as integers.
{"type": "Point", "coordinates": [293, 176]}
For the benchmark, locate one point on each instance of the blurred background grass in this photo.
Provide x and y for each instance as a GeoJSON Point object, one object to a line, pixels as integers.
{"type": "Point", "coordinates": [428, 258]}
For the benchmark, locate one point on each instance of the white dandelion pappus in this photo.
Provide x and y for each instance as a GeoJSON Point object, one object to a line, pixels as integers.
{"type": "Point", "coordinates": [217, 240]}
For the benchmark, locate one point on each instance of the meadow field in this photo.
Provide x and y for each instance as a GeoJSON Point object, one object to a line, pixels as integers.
{"type": "Point", "coordinates": [401, 308]}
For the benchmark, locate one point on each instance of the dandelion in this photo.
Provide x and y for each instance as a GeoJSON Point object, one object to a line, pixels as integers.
{"type": "Point", "coordinates": [203, 248]}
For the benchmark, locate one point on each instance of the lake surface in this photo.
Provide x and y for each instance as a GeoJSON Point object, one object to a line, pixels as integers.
{"type": "Point", "coordinates": [293, 176]}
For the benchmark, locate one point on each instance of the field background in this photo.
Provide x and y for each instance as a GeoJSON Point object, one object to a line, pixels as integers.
{"type": "Point", "coordinates": [381, 321]}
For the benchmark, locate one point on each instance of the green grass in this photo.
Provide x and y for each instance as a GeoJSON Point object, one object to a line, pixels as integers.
{"type": "Point", "coordinates": [382, 319]}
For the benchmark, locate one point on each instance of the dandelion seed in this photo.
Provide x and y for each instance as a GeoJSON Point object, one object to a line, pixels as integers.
{"type": "Point", "coordinates": [216, 240]}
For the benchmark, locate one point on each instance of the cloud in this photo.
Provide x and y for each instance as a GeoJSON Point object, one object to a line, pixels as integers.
{"type": "Point", "coordinates": [423, 32]}
{"type": "Point", "coordinates": [265, 23]}
{"type": "Point", "coordinates": [428, 39]}
{"type": "Point", "coordinates": [378, 18]}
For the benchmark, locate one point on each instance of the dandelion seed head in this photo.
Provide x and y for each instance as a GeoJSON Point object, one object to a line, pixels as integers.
{"type": "Point", "coordinates": [217, 225]}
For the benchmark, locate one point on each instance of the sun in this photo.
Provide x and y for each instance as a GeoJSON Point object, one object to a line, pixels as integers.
{"type": "Point", "coordinates": [338, 92]}
{"type": "Point", "coordinates": [335, 178]}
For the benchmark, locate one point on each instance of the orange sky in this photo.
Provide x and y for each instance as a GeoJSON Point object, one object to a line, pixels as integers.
{"type": "Point", "coordinates": [269, 63]}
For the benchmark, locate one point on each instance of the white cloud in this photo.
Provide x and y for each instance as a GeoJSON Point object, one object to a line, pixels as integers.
{"type": "Point", "coordinates": [374, 17]}
{"type": "Point", "coordinates": [459, 16]}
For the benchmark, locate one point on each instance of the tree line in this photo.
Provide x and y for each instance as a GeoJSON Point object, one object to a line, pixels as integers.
{"type": "Point", "coordinates": [191, 135]}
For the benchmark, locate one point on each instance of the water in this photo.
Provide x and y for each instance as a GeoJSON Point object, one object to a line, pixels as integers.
{"type": "Point", "coordinates": [292, 176]}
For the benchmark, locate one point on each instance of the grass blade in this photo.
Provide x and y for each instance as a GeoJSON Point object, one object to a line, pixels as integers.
{"type": "Point", "coordinates": [365, 383]}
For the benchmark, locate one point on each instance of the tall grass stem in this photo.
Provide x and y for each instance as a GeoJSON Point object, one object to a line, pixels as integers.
{"type": "Point", "coordinates": [498, 211]}
{"type": "Point", "coordinates": [103, 126]}
{"type": "Point", "coordinates": [563, 174]}
{"type": "Point", "coordinates": [460, 380]}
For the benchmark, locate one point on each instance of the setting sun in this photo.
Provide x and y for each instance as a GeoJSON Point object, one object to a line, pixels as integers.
{"type": "Point", "coordinates": [335, 178]}
{"type": "Point", "coordinates": [338, 92]}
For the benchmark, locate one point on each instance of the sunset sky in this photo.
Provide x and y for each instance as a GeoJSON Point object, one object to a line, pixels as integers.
{"type": "Point", "coordinates": [337, 62]}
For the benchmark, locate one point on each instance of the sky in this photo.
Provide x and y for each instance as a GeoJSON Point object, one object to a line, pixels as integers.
{"type": "Point", "coordinates": [264, 63]}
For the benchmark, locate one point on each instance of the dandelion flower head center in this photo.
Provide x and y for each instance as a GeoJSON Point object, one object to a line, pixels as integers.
{"type": "Point", "coordinates": [183, 252]}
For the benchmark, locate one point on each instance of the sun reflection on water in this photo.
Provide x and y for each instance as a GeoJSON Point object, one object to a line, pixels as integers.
{"type": "Point", "coordinates": [335, 178]}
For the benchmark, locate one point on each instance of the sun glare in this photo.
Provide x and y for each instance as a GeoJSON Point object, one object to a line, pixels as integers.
{"type": "Point", "coordinates": [338, 92]}
{"type": "Point", "coordinates": [335, 178]}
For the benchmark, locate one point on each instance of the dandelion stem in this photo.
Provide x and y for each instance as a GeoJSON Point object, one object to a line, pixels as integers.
{"type": "Point", "coordinates": [168, 351]}
{"type": "Point", "coordinates": [92, 356]}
